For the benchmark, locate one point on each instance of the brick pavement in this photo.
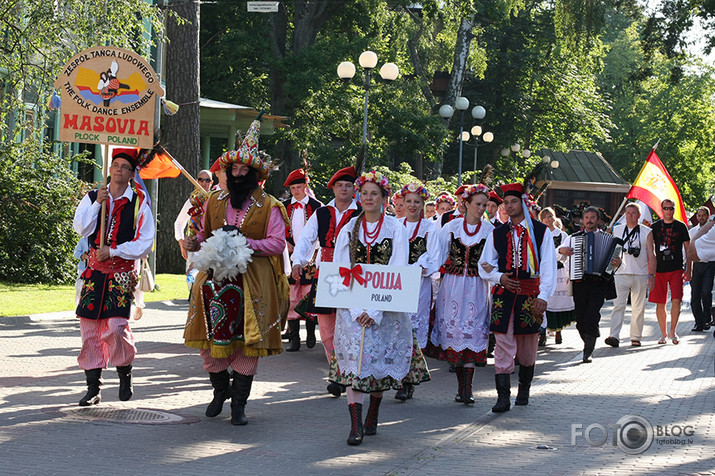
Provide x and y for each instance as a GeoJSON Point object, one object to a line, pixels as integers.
{"type": "Point", "coordinates": [294, 427]}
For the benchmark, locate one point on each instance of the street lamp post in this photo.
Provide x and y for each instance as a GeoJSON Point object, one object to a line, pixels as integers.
{"type": "Point", "coordinates": [478, 113]}
{"type": "Point", "coordinates": [551, 165]}
{"type": "Point", "coordinates": [462, 104]}
{"type": "Point", "coordinates": [368, 61]}
{"type": "Point", "coordinates": [525, 153]}
{"type": "Point", "coordinates": [479, 140]}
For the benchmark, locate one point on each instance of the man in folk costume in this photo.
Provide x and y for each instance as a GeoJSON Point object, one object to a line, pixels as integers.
{"type": "Point", "coordinates": [520, 260]}
{"type": "Point", "coordinates": [109, 280]}
{"type": "Point", "coordinates": [236, 323]}
{"type": "Point", "coordinates": [591, 291]}
{"type": "Point", "coordinates": [323, 227]}
{"type": "Point", "coordinates": [300, 207]}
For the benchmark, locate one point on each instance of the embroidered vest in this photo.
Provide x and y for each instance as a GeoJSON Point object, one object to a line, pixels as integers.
{"type": "Point", "coordinates": [310, 208]}
{"type": "Point", "coordinates": [328, 229]}
{"type": "Point", "coordinates": [418, 247]}
{"type": "Point", "coordinates": [379, 253]}
{"type": "Point", "coordinates": [463, 260]}
{"type": "Point", "coordinates": [502, 234]}
{"type": "Point", "coordinates": [120, 227]}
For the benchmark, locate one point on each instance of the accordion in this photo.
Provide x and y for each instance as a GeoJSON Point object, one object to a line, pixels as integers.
{"type": "Point", "coordinates": [593, 252]}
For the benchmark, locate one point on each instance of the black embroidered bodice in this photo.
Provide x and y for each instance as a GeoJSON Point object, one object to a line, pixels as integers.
{"type": "Point", "coordinates": [378, 253]}
{"type": "Point", "coordinates": [418, 247]}
{"type": "Point", "coordinates": [464, 260]}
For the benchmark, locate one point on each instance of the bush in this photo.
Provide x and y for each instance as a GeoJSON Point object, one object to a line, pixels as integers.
{"type": "Point", "coordinates": [38, 196]}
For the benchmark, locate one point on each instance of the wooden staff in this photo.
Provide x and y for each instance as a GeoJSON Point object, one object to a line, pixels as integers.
{"type": "Point", "coordinates": [186, 174]}
{"type": "Point", "coordinates": [362, 343]}
{"type": "Point", "coordinates": [105, 170]}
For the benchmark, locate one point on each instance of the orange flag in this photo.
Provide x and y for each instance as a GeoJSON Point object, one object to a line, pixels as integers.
{"type": "Point", "coordinates": [654, 184]}
{"type": "Point", "coordinates": [161, 166]}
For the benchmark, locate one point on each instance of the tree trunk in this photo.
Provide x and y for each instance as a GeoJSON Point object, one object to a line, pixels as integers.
{"type": "Point", "coordinates": [180, 133]}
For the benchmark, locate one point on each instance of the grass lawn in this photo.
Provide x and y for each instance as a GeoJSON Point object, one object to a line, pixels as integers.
{"type": "Point", "coordinates": [24, 299]}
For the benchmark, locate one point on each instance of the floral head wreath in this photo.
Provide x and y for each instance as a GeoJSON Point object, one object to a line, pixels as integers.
{"type": "Point", "coordinates": [414, 188]}
{"type": "Point", "coordinates": [472, 189]}
{"type": "Point", "coordinates": [445, 198]}
{"type": "Point", "coordinates": [375, 177]}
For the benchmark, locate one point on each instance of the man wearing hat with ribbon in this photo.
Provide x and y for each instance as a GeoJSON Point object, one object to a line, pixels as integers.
{"type": "Point", "coordinates": [323, 227]}
{"type": "Point", "coordinates": [300, 207]}
{"type": "Point", "coordinates": [244, 325]}
{"type": "Point", "coordinates": [520, 260]}
{"type": "Point", "coordinates": [109, 280]}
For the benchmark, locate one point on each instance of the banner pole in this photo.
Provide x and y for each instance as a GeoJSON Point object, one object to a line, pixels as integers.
{"type": "Point", "coordinates": [625, 199]}
{"type": "Point", "coordinates": [362, 343]}
{"type": "Point", "coordinates": [105, 169]}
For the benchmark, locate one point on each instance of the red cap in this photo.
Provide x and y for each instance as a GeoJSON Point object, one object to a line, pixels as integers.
{"type": "Point", "coordinates": [514, 189]}
{"type": "Point", "coordinates": [295, 177]}
{"type": "Point", "coordinates": [130, 155]}
{"type": "Point", "coordinates": [348, 174]}
{"type": "Point", "coordinates": [460, 189]}
{"type": "Point", "coordinates": [214, 168]}
{"type": "Point", "coordinates": [493, 197]}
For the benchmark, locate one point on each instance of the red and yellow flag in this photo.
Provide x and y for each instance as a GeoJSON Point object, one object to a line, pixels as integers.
{"type": "Point", "coordinates": [654, 184]}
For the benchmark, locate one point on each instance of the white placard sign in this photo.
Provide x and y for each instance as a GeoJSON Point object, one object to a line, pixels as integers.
{"type": "Point", "coordinates": [380, 287]}
{"type": "Point", "coordinates": [262, 7]}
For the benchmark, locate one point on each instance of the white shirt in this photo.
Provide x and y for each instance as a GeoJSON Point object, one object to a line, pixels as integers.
{"type": "Point", "coordinates": [181, 220]}
{"type": "Point", "coordinates": [87, 214]}
{"type": "Point", "coordinates": [297, 219]}
{"type": "Point", "coordinates": [705, 246]}
{"type": "Point", "coordinates": [306, 243]}
{"type": "Point", "coordinates": [630, 264]}
{"type": "Point", "coordinates": [547, 263]}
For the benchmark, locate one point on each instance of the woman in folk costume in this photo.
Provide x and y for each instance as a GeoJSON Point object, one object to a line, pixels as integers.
{"type": "Point", "coordinates": [560, 310]}
{"type": "Point", "coordinates": [422, 234]}
{"type": "Point", "coordinates": [374, 350]}
{"type": "Point", "coordinates": [235, 320]}
{"type": "Point", "coordinates": [461, 326]}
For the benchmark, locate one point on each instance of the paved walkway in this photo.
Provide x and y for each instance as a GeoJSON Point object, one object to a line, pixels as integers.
{"type": "Point", "coordinates": [295, 427]}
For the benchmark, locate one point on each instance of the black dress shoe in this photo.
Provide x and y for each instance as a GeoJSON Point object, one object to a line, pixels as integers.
{"type": "Point", "coordinates": [697, 329]}
{"type": "Point", "coordinates": [612, 341]}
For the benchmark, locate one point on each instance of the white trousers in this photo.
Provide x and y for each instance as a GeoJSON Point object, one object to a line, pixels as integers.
{"type": "Point", "coordinates": [637, 285]}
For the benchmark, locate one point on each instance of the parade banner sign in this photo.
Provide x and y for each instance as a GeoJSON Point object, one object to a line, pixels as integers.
{"type": "Point", "coordinates": [108, 97]}
{"type": "Point", "coordinates": [385, 288]}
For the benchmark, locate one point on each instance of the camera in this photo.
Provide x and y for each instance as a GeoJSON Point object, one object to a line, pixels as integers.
{"type": "Point", "coordinates": [635, 252]}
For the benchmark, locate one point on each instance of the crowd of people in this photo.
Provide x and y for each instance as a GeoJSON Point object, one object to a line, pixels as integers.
{"type": "Point", "coordinates": [496, 274]}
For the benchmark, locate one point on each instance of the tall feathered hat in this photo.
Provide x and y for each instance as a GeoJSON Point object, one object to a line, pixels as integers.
{"type": "Point", "coordinates": [248, 154]}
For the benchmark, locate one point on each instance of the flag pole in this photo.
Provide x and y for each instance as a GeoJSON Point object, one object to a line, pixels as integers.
{"type": "Point", "coordinates": [618, 212]}
{"type": "Point", "coordinates": [625, 199]}
{"type": "Point", "coordinates": [103, 226]}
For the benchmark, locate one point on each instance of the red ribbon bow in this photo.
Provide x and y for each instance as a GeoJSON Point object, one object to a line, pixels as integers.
{"type": "Point", "coordinates": [355, 272]}
{"type": "Point", "coordinates": [298, 205]}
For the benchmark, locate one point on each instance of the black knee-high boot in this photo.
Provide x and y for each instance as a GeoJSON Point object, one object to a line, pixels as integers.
{"type": "Point", "coordinates": [467, 395]}
{"type": "Point", "coordinates": [370, 427]}
{"type": "Point", "coordinates": [94, 381]}
{"type": "Point", "coordinates": [310, 329]}
{"type": "Point", "coordinates": [459, 398]}
{"type": "Point", "coordinates": [526, 375]}
{"type": "Point", "coordinates": [293, 336]}
{"type": "Point", "coordinates": [126, 389]}
{"type": "Point", "coordinates": [503, 383]}
{"type": "Point", "coordinates": [240, 390]}
{"type": "Point", "coordinates": [356, 428]}
{"type": "Point", "coordinates": [221, 382]}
